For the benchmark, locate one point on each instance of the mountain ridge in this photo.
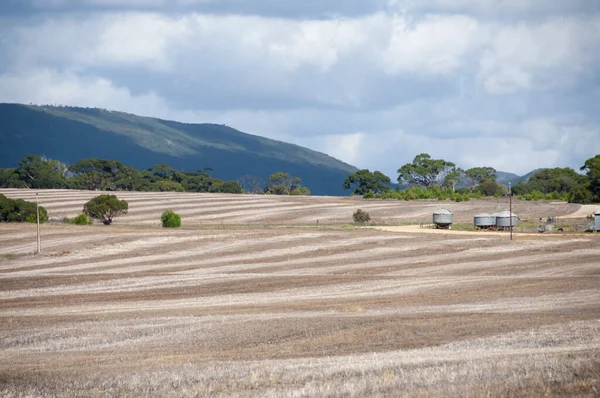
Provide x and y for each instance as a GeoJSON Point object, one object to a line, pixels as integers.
{"type": "Point", "coordinates": [72, 133]}
{"type": "Point", "coordinates": [143, 141]}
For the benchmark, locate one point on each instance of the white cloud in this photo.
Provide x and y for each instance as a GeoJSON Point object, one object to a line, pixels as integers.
{"type": "Point", "coordinates": [436, 45]}
{"type": "Point", "coordinates": [347, 148]}
{"type": "Point", "coordinates": [48, 87]}
{"type": "Point", "coordinates": [131, 39]}
{"type": "Point", "coordinates": [520, 56]}
{"type": "Point", "coordinates": [139, 39]}
{"type": "Point", "coordinates": [319, 43]}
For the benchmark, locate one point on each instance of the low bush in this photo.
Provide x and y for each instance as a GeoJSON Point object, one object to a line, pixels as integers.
{"type": "Point", "coordinates": [369, 195]}
{"type": "Point", "coordinates": [81, 219]}
{"type": "Point", "coordinates": [170, 219]}
{"type": "Point", "coordinates": [436, 193]}
{"type": "Point", "coordinates": [361, 217]}
{"type": "Point", "coordinates": [537, 195]}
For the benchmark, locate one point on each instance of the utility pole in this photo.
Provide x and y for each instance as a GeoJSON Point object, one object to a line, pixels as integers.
{"type": "Point", "coordinates": [510, 208]}
{"type": "Point", "coordinates": [37, 212]}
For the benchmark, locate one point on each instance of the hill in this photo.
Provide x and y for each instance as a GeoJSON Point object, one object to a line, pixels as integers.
{"type": "Point", "coordinates": [527, 176]}
{"type": "Point", "coordinates": [70, 134]}
{"type": "Point", "coordinates": [503, 177]}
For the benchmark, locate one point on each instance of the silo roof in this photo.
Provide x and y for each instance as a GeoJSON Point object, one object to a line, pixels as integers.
{"type": "Point", "coordinates": [442, 211]}
{"type": "Point", "coordinates": [504, 213]}
{"type": "Point", "coordinates": [484, 215]}
{"type": "Point", "coordinates": [597, 211]}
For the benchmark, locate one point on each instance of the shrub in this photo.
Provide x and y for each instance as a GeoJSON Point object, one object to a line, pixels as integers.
{"type": "Point", "coordinates": [304, 191]}
{"type": "Point", "coordinates": [170, 219]}
{"type": "Point", "coordinates": [369, 195]}
{"type": "Point", "coordinates": [81, 219]}
{"type": "Point", "coordinates": [537, 195]}
{"type": "Point", "coordinates": [361, 217]}
{"type": "Point", "coordinates": [19, 210]}
{"type": "Point", "coordinates": [105, 208]}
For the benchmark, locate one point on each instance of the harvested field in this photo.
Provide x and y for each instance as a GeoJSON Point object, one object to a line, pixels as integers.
{"type": "Point", "coordinates": [253, 298]}
{"type": "Point", "coordinates": [211, 209]}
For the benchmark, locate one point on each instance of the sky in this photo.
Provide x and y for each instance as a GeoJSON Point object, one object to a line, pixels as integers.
{"type": "Point", "coordinates": [511, 84]}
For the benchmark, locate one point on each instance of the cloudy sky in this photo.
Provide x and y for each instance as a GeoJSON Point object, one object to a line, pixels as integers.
{"type": "Point", "coordinates": [512, 84]}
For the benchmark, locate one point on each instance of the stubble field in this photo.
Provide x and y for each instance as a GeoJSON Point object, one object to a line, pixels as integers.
{"type": "Point", "coordinates": [253, 297]}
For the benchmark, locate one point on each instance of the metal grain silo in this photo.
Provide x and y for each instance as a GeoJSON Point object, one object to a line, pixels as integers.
{"type": "Point", "coordinates": [503, 219]}
{"type": "Point", "coordinates": [443, 218]}
{"type": "Point", "coordinates": [597, 220]}
{"type": "Point", "coordinates": [484, 220]}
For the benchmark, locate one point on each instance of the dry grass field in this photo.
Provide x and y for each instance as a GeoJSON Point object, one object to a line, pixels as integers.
{"type": "Point", "coordinates": [251, 297]}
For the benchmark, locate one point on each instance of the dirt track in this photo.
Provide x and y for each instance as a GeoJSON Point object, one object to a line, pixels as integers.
{"type": "Point", "coordinates": [263, 303]}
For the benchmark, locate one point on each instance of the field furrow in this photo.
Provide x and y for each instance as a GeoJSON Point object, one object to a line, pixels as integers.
{"type": "Point", "coordinates": [251, 297]}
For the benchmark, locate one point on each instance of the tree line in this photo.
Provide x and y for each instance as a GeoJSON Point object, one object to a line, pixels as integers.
{"type": "Point", "coordinates": [37, 172]}
{"type": "Point", "coordinates": [427, 178]}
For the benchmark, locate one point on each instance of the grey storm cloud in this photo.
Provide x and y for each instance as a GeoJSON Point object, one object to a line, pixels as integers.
{"type": "Point", "coordinates": [291, 9]}
{"type": "Point", "coordinates": [508, 84]}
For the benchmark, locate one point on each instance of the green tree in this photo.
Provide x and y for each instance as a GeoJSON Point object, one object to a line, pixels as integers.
{"type": "Point", "coordinates": [491, 188]}
{"type": "Point", "coordinates": [427, 172]}
{"type": "Point", "coordinates": [555, 180]}
{"type": "Point", "coordinates": [301, 191]}
{"type": "Point", "coordinates": [164, 172]}
{"type": "Point", "coordinates": [281, 183]}
{"type": "Point", "coordinates": [128, 178]}
{"type": "Point", "coordinates": [592, 169]}
{"type": "Point", "coordinates": [364, 181]}
{"type": "Point", "coordinates": [477, 175]}
{"type": "Point", "coordinates": [37, 172]}
{"type": "Point", "coordinates": [581, 194]}
{"type": "Point", "coordinates": [167, 186]}
{"type": "Point", "coordinates": [105, 208]}
{"type": "Point", "coordinates": [452, 178]}
{"type": "Point", "coordinates": [9, 178]}
{"type": "Point", "coordinates": [196, 182]}
{"type": "Point", "coordinates": [96, 174]}
{"type": "Point", "coordinates": [545, 181]}
{"type": "Point", "coordinates": [226, 187]}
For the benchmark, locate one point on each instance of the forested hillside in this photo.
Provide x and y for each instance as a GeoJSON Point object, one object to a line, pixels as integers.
{"type": "Point", "coordinates": [69, 134]}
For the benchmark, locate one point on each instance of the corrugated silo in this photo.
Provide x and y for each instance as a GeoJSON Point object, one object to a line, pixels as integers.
{"type": "Point", "coordinates": [443, 218]}
{"type": "Point", "coordinates": [503, 219]}
{"type": "Point", "coordinates": [597, 220]}
{"type": "Point", "coordinates": [484, 220]}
